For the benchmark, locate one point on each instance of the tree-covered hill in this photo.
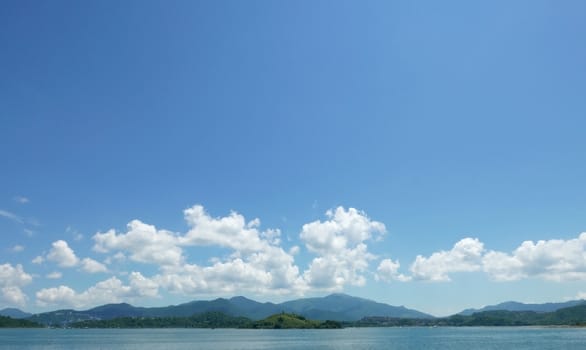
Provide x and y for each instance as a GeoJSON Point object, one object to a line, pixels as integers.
{"type": "Point", "coordinates": [9, 322]}
{"type": "Point", "coordinates": [286, 321]}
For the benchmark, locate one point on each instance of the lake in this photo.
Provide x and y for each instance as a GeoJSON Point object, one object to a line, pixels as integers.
{"type": "Point", "coordinates": [339, 339]}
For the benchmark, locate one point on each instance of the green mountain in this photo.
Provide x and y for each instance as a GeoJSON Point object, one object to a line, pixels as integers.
{"type": "Point", "coordinates": [337, 307]}
{"type": "Point", "coordinates": [570, 316]}
{"type": "Point", "coordinates": [516, 306]}
{"type": "Point", "coordinates": [342, 307]}
{"type": "Point", "coordinates": [14, 313]}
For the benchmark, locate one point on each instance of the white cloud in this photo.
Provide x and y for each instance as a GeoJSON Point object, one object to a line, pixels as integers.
{"type": "Point", "coordinates": [230, 231]}
{"type": "Point", "coordinates": [553, 260]}
{"type": "Point", "coordinates": [54, 275]}
{"type": "Point", "coordinates": [21, 199]}
{"type": "Point", "coordinates": [13, 276]}
{"type": "Point", "coordinates": [145, 243]}
{"type": "Point", "coordinates": [62, 254]}
{"type": "Point", "coordinates": [257, 264]}
{"type": "Point", "coordinates": [111, 290]}
{"type": "Point", "coordinates": [143, 286]}
{"type": "Point", "coordinates": [346, 228]}
{"type": "Point", "coordinates": [92, 266]}
{"type": "Point", "coordinates": [339, 242]}
{"type": "Point", "coordinates": [11, 216]}
{"type": "Point", "coordinates": [13, 296]}
{"type": "Point", "coordinates": [74, 233]}
{"type": "Point", "coordinates": [388, 270]}
{"type": "Point", "coordinates": [61, 296]}
{"type": "Point", "coordinates": [118, 257]}
{"type": "Point", "coordinates": [465, 256]}
{"type": "Point", "coordinates": [12, 279]}
{"type": "Point", "coordinates": [17, 248]}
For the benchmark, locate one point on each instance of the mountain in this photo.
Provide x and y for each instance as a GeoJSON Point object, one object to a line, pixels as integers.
{"type": "Point", "coordinates": [337, 307]}
{"type": "Point", "coordinates": [516, 306]}
{"type": "Point", "coordinates": [14, 313]}
{"type": "Point", "coordinates": [342, 307]}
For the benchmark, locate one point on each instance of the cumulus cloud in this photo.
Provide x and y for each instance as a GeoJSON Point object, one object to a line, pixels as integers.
{"type": "Point", "coordinates": [465, 256]}
{"type": "Point", "coordinates": [257, 262]}
{"type": "Point", "coordinates": [388, 270]}
{"type": "Point", "coordinates": [231, 231]}
{"type": "Point", "coordinates": [339, 242]}
{"type": "Point", "coordinates": [553, 260]}
{"type": "Point", "coordinates": [12, 279]}
{"type": "Point", "coordinates": [144, 242]}
{"type": "Point", "coordinates": [92, 266]}
{"type": "Point", "coordinates": [62, 254]}
{"type": "Point", "coordinates": [17, 248]}
{"type": "Point", "coordinates": [111, 290]}
{"type": "Point", "coordinates": [54, 275]}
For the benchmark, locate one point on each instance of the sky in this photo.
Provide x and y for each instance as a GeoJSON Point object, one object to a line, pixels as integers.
{"type": "Point", "coordinates": [427, 154]}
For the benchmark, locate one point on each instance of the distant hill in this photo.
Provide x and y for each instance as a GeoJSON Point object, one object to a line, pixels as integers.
{"type": "Point", "coordinates": [516, 306]}
{"type": "Point", "coordinates": [14, 313]}
{"type": "Point", "coordinates": [574, 316]}
{"type": "Point", "coordinates": [568, 316]}
{"type": "Point", "coordinates": [342, 307]}
{"type": "Point", "coordinates": [337, 307]}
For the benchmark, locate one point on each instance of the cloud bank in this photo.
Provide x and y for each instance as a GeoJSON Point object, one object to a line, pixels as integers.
{"type": "Point", "coordinates": [247, 259]}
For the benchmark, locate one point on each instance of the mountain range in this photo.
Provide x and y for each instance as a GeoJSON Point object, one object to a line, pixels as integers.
{"type": "Point", "coordinates": [516, 306]}
{"type": "Point", "coordinates": [338, 307]}
{"type": "Point", "coordinates": [14, 313]}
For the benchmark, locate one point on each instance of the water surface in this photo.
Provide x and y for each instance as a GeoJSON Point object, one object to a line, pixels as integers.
{"type": "Point", "coordinates": [340, 339]}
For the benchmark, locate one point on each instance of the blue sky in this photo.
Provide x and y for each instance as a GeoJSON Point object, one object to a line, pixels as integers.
{"type": "Point", "coordinates": [427, 154]}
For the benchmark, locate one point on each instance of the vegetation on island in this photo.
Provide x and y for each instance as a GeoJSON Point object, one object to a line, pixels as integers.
{"type": "Point", "coordinates": [222, 311]}
{"type": "Point", "coordinates": [288, 321]}
{"type": "Point", "coordinates": [209, 320]}
{"type": "Point", "coordinates": [204, 320]}
{"type": "Point", "coordinates": [9, 322]}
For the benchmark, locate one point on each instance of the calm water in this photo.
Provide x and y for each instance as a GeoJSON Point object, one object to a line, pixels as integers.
{"type": "Point", "coordinates": [351, 338]}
